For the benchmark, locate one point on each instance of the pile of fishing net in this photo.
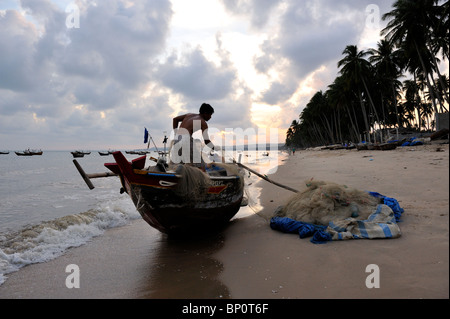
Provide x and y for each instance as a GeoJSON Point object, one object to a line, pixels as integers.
{"type": "Point", "coordinates": [328, 211]}
{"type": "Point", "coordinates": [194, 182]}
{"type": "Point", "coordinates": [322, 202]}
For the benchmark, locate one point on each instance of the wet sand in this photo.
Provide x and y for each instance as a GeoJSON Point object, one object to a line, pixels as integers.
{"type": "Point", "coordinates": [250, 260]}
{"type": "Point", "coordinates": [133, 261]}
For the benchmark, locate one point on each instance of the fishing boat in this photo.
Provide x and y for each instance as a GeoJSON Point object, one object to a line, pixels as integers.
{"type": "Point", "coordinates": [136, 152]}
{"type": "Point", "coordinates": [3, 153]}
{"type": "Point", "coordinates": [29, 152]}
{"type": "Point", "coordinates": [77, 154]}
{"type": "Point", "coordinates": [157, 194]}
{"type": "Point", "coordinates": [24, 153]}
{"type": "Point", "coordinates": [105, 153]}
{"type": "Point", "coordinates": [386, 146]}
{"type": "Point", "coordinates": [362, 147]}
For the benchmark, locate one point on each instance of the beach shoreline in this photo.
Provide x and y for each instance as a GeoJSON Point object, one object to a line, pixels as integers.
{"type": "Point", "coordinates": [249, 260]}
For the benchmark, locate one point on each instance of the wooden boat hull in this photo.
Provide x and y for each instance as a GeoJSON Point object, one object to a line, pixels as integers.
{"type": "Point", "coordinates": [361, 147]}
{"type": "Point", "coordinates": [387, 146]}
{"type": "Point", "coordinates": [156, 199]}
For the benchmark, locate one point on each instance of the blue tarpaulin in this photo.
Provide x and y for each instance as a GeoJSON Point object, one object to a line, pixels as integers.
{"type": "Point", "coordinates": [412, 142]}
{"type": "Point", "coordinates": [392, 203]}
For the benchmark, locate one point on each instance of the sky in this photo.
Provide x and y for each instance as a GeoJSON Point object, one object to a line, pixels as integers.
{"type": "Point", "coordinates": [91, 75]}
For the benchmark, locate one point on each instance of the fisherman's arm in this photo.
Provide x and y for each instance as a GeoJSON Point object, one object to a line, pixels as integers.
{"type": "Point", "coordinates": [177, 120]}
{"type": "Point", "coordinates": [206, 135]}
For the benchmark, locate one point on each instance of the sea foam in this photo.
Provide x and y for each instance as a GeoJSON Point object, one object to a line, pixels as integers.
{"type": "Point", "coordinates": [50, 239]}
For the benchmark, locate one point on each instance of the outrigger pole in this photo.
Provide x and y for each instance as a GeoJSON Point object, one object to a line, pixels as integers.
{"type": "Point", "coordinates": [87, 177]}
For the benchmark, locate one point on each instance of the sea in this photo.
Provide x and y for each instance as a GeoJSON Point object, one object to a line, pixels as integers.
{"type": "Point", "coordinates": [46, 208]}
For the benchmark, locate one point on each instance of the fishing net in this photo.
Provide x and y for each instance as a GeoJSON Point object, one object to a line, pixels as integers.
{"type": "Point", "coordinates": [322, 202]}
{"type": "Point", "coordinates": [193, 183]}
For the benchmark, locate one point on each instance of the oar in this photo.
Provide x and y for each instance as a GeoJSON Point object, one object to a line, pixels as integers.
{"type": "Point", "coordinates": [266, 178]}
{"type": "Point", "coordinates": [87, 177]}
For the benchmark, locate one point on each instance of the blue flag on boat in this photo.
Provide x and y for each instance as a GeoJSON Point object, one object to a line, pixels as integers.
{"type": "Point", "coordinates": [145, 135]}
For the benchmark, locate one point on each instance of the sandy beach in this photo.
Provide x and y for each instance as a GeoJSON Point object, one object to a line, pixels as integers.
{"type": "Point", "coordinates": [262, 263]}
{"type": "Point", "coordinates": [249, 260]}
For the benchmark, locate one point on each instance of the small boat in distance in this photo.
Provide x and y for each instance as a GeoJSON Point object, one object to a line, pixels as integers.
{"type": "Point", "coordinates": [77, 154]}
{"type": "Point", "coordinates": [138, 152]}
{"type": "Point", "coordinates": [29, 152]}
{"type": "Point", "coordinates": [3, 153]}
{"type": "Point", "coordinates": [106, 153]}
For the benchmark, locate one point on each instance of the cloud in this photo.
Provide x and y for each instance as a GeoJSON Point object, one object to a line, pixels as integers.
{"type": "Point", "coordinates": [129, 65]}
{"type": "Point", "coordinates": [194, 76]}
{"type": "Point", "coordinates": [311, 34]}
{"type": "Point", "coordinates": [17, 40]}
{"type": "Point", "coordinates": [198, 79]}
{"type": "Point", "coordinates": [307, 36]}
{"type": "Point", "coordinates": [259, 11]}
{"type": "Point", "coordinates": [118, 42]}
{"type": "Point", "coordinates": [48, 69]}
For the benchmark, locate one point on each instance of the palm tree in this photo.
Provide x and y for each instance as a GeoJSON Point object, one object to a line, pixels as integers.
{"type": "Point", "coordinates": [387, 63]}
{"type": "Point", "coordinates": [291, 133]}
{"type": "Point", "coordinates": [356, 70]}
{"type": "Point", "coordinates": [323, 114]}
{"type": "Point", "coordinates": [440, 34]}
{"type": "Point", "coordinates": [311, 123]}
{"type": "Point", "coordinates": [413, 101]}
{"type": "Point", "coordinates": [340, 97]}
{"type": "Point", "coordinates": [439, 42]}
{"type": "Point", "coordinates": [294, 136]}
{"type": "Point", "coordinates": [411, 27]}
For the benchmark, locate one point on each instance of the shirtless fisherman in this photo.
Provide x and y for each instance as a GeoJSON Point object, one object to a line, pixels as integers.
{"type": "Point", "coordinates": [190, 123]}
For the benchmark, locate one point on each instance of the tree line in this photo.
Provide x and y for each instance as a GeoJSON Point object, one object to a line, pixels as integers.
{"type": "Point", "coordinates": [368, 94]}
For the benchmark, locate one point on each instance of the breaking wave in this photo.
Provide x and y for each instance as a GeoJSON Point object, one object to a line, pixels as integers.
{"type": "Point", "coordinates": [50, 239]}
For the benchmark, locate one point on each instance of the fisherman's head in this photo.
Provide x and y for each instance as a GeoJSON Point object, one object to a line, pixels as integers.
{"type": "Point", "coordinates": [206, 111]}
